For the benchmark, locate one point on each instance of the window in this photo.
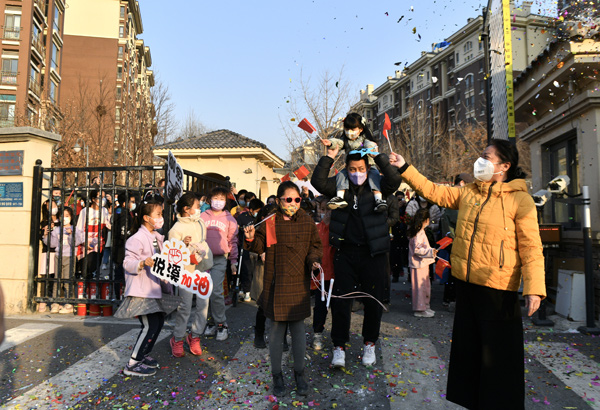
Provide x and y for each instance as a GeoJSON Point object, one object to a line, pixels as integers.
{"type": "Point", "coordinates": [457, 98]}
{"type": "Point", "coordinates": [118, 114]}
{"type": "Point", "coordinates": [122, 13]}
{"type": "Point", "coordinates": [119, 92]}
{"type": "Point", "coordinates": [56, 20]}
{"type": "Point", "coordinates": [481, 66]}
{"type": "Point", "coordinates": [480, 45]}
{"type": "Point", "coordinates": [385, 100]}
{"type": "Point", "coordinates": [469, 83]}
{"type": "Point", "coordinates": [457, 59]}
{"type": "Point", "coordinates": [55, 56]}
{"type": "Point", "coordinates": [481, 86]}
{"type": "Point", "coordinates": [119, 73]}
{"type": "Point", "coordinates": [468, 46]}
{"type": "Point", "coordinates": [121, 31]}
{"type": "Point", "coordinates": [35, 80]}
{"type": "Point", "coordinates": [117, 133]}
{"type": "Point", "coordinates": [53, 92]}
{"type": "Point", "coordinates": [12, 26]}
{"type": "Point", "coordinates": [9, 70]}
{"type": "Point", "coordinates": [7, 110]}
{"type": "Point", "coordinates": [120, 54]}
{"type": "Point", "coordinates": [562, 158]}
{"type": "Point", "coordinates": [429, 93]}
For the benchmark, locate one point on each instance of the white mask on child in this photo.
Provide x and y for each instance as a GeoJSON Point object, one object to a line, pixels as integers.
{"type": "Point", "coordinates": [351, 134]}
{"type": "Point", "coordinates": [196, 215]}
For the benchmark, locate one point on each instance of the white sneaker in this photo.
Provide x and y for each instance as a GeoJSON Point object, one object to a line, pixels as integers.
{"type": "Point", "coordinates": [55, 308]}
{"type": "Point", "coordinates": [211, 330]}
{"type": "Point", "coordinates": [430, 311]}
{"type": "Point", "coordinates": [369, 358]}
{"type": "Point", "coordinates": [317, 342]}
{"type": "Point", "coordinates": [339, 357]}
{"type": "Point", "coordinates": [425, 313]}
{"type": "Point", "coordinates": [247, 297]}
{"type": "Point", "coordinates": [104, 267]}
{"type": "Point", "coordinates": [222, 333]}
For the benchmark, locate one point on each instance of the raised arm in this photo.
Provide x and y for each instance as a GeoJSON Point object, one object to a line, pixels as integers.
{"type": "Point", "coordinates": [444, 196]}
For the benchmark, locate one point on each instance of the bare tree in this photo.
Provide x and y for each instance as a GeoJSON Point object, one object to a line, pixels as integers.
{"type": "Point", "coordinates": [165, 127]}
{"type": "Point", "coordinates": [192, 126]}
{"type": "Point", "coordinates": [323, 103]}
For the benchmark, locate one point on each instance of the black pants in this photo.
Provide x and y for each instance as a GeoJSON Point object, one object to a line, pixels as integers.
{"type": "Point", "coordinates": [320, 310]}
{"type": "Point", "coordinates": [151, 326]}
{"type": "Point", "coordinates": [261, 320]}
{"type": "Point", "coordinates": [356, 270]}
{"type": "Point", "coordinates": [246, 272]}
{"type": "Point", "coordinates": [486, 358]}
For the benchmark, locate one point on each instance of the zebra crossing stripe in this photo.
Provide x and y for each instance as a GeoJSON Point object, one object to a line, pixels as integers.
{"type": "Point", "coordinates": [573, 368]}
{"type": "Point", "coordinates": [417, 375]}
{"type": "Point", "coordinates": [20, 334]}
{"type": "Point", "coordinates": [79, 380]}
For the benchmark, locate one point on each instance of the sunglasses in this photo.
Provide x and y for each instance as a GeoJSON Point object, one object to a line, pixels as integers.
{"type": "Point", "coordinates": [289, 199]}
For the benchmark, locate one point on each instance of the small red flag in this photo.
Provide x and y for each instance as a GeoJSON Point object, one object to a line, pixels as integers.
{"type": "Point", "coordinates": [387, 125]}
{"type": "Point", "coordinates": [307, 126]}
{"type": "Point", "coordinates": [301, 172]}
{"type": "Point", "coordinates": [270, 229]}
{"type": "Point", "coordinates": [440, 266]}
{"type": "Point", "coordinates": [286, 177]}
{"type": "Point", "coordinates": [444, 242]}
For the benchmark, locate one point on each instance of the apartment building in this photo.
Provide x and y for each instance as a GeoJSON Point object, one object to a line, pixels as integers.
{"type": "Point", "coordinates": [31, 76]}
{"type": "Point", "coordinates": [107, 66]}
{"type": "Point", "coordinates": [445, 87]}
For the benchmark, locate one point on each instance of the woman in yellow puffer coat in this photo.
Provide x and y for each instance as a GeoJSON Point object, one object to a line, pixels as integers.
{"type": "Point", "coordinates": [497, 245]}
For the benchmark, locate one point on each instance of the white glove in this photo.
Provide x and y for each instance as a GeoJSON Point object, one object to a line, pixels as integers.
{"type": "Point", "coordinates": [397, 160]}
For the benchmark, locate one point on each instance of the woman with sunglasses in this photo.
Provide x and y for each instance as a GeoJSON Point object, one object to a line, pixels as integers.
{"type": "Point", "coordinates": [293, 249]}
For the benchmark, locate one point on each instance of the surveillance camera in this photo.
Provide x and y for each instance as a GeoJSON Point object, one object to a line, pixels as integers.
{"type": "Point", "coordinates": [541, 197]}
{"type": "Point", "coordinates": [559, 184]}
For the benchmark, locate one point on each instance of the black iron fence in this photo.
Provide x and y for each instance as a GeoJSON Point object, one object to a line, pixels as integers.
{"type": "Point", "coordinates": [80, 221]}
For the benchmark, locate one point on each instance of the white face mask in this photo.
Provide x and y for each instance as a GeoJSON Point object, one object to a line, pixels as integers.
{"type": "Point", "coordinates": [351, 134]}
{"type": "Point", "coordinates": [54, 211]}
{"type": "Point", "coordinates": [196, 215]}
{"type": "Point", "coordinates": [132, 206]}
{"type": "Point", "coordinates": [67, 220]}
{"type": "Point", "coordinates": [483, 169]}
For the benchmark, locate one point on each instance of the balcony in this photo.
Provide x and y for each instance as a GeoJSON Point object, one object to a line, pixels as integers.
{"type": "Point", "coordinates": [38, 45]}
{"type": "Point", "coordinates": [41, 5]}
{"type": "Point", "coordinates": [7, 122]}
{"type": "Point", "coordinates": [12, 33]}
{"type": "Point", "coordinates": [8, 77]}
{"type": "Point", "coordinates": [35, 86]}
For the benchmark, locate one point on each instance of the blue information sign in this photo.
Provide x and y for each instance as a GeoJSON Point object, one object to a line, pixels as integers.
{"type": "Point", "coordinates": [11, 163]}
{"type": "Point", "coordinates": [11, 194]}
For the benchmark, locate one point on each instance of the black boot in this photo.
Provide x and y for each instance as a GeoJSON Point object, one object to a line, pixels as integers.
{"type": "Point", "coordinates": [301, 384]}
{"type": "Point", "coordinates": [259, 340]}
{"type": "Point", "coordinates": [278, 386]}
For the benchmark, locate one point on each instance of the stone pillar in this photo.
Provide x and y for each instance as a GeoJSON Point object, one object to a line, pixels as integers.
{"type": "Point", "coordinates": [20, 148]}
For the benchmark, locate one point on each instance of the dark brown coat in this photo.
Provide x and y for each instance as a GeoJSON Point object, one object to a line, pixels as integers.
{"type": "Point", "coordinates": [286, 285]}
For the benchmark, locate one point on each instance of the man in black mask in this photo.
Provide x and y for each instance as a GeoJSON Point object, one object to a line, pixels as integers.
{"type": "Point", "coordinates": [362, 241]}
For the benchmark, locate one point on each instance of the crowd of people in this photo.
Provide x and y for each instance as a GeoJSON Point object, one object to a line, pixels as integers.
{"type": "Point", "coordinates": [351, 241]}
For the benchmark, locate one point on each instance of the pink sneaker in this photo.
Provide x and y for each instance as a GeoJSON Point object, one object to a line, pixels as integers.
{"type": "Point", "coordinates": [177, 348]}
{"type": "Point", "coordinates": [194, 343]}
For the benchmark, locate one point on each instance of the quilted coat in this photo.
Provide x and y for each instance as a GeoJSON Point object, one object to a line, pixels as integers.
{"type": "Point", "coordinates": [286, 283]}
{"type": "Point", "coordinates": [497, 241]}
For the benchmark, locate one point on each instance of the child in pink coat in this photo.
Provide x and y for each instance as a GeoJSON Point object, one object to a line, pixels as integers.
{"type": "Point", "coordinates": [421, 255]}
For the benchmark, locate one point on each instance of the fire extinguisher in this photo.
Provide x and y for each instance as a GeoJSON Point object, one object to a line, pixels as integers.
{"type": "Point", "coordinates": [93, 290]}
{"type": "Point", "coordinates": [80, 290]}
{"type": "Point", "coordinates": [105, 292]}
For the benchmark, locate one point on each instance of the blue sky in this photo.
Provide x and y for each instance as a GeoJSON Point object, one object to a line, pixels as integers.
{"type": "Point", "coordinates": [232, 61]}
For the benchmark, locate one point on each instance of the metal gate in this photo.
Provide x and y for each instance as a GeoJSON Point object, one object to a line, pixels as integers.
{"type": "Point", "coordinates": [82, 263]}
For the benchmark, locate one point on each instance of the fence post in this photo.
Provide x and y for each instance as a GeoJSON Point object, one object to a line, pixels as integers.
{"type": "Point", "coordinates": [34, 233]}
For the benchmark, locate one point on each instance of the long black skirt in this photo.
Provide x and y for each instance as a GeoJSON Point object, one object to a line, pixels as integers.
{"type": "Point", "coordinates": [487, 354]}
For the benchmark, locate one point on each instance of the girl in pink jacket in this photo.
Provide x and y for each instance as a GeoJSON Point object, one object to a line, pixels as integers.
{"type": "Point", "coordinates": [143, 290]}
{"type": "Point", "coordinates": [421, 255]}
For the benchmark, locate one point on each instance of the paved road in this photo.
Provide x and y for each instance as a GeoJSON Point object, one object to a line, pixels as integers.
{"type": "Point", "coordinates": [57, 362]}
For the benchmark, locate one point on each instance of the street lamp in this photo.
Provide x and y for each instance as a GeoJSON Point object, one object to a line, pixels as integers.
{"type": "Point", "coordinates": [77, 148]}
